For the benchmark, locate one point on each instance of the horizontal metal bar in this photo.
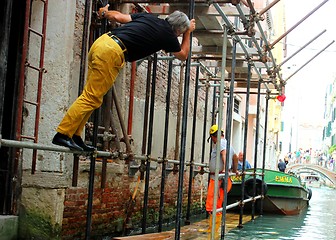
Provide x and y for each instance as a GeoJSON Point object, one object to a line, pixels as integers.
{"type": "Point", "coordinates": [55, 148]}
{"type": "Point", "coordinates": [252, 173]}
{"type": "Point", "coordinates": [30, 102]}
{"type": "Point", "coordinates": [237, 203]}
{"type": "Point", "coordinates": [28, 137]}
{"type": "Point", "coordinates": [208, 85]}
{"type": "Point", "coordinates": [36, 32]}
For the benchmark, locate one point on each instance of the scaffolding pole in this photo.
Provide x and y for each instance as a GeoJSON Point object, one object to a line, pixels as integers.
{"type": "Point", "coordinates": [238, 39]}
{"type": "Point", "coordinates": [309, 60]}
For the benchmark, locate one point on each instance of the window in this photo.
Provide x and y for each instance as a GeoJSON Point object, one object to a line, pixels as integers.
{"type": "Point", "coordinates": [236, 106]}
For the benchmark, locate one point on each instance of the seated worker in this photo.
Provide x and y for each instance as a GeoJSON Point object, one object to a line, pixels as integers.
{"type": "Point", "coordinates": [240, 162]}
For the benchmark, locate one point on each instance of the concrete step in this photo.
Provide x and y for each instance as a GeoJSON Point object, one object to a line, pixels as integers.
{"type": "Point", "coordinates": [9, 227]}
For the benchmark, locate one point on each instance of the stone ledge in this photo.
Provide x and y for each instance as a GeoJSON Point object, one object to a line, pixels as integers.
{"type": "Point", "coordinates": [8, 227]}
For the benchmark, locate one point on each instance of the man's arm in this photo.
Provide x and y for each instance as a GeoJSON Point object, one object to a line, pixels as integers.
{"type": "Point", "coordinates": [114, 16]}
{"type": "Point", "coordinates": [185, 45]}
{"type": "Point", "coordinates": [223, 158]}
{"type": "Point", "coordinates": [234, 163]}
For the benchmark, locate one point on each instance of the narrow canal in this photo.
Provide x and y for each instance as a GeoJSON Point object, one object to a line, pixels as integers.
{"type": "Point", "coordinates": [317, 222]}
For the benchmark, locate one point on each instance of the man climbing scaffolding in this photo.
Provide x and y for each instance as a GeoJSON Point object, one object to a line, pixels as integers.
{"type": "Point", "coordinates": [233, 162]}
{"type": "Point", "coordinates": [141, 35]}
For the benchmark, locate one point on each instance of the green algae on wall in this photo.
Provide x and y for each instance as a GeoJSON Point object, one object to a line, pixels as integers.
{"type": "Point", "coordinates": [33, 225]}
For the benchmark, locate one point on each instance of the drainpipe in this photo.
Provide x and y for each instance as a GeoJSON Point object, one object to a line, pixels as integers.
{"type": "Point", "coordinates": [149, 145]}
{"type": "Point", "coordinates": [192, 153]}
{"type": "Point", "coordinates": [247, 103]}
{"type": "Point", "coordinates": [165, 144]}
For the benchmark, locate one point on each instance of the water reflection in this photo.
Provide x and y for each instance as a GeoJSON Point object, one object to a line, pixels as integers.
{"type": "Point", "coordinates": [317, 222]}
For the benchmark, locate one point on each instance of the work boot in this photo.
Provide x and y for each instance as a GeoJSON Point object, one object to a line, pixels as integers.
{"type": "Point", "coordinates": [79, 141]}
{"type": "Point", "coordinates": [65, 141]}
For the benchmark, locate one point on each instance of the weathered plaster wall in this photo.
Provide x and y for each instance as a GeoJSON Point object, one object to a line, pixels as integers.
{"type": "Point", "coordinates": [50, 207]}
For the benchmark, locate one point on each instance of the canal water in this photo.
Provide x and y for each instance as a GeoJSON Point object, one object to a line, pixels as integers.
{"type": "Point", "coordinates": [317, 222]}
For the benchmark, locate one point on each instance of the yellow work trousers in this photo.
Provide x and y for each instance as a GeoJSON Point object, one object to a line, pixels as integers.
{"type": "Point", "coordinates": [105, 60]}
{"type": "Point", "coordinates": [220, 196]}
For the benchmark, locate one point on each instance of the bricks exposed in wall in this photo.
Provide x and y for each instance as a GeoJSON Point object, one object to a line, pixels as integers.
{"type": "Point", "coordinates": [110, 204]}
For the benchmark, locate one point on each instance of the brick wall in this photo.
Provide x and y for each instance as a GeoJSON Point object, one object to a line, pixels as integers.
{"type": "Point", "coordinates": [110, 204]}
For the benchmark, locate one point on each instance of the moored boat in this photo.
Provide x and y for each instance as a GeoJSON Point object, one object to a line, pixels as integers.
{"type": "Point", "coordinates": [311, 180]}
{"type": "Point", "coordinates": [284, 193]}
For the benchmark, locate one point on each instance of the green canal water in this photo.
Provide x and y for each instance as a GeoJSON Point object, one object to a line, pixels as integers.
{"type": "Point", "coordinates": [317, 222]}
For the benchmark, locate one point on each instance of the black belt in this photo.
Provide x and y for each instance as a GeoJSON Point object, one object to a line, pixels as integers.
{"type": "Point", "coordinates": [120, 43]}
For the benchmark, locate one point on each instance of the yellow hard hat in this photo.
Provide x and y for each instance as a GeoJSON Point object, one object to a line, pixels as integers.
{"type": "Point", "coordinates": [213, 129]}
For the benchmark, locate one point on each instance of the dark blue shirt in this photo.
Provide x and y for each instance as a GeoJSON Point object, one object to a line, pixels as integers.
{"type": "Point", "coordinates": [282, 166]}
{"type": "Point", "coordinates": [240, 165]}
{"type": "Point", "coordinates": [145, 35]}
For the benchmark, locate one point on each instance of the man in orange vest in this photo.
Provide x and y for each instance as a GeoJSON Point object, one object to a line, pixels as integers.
{"type": "Point", "coordinates": [233, 162]}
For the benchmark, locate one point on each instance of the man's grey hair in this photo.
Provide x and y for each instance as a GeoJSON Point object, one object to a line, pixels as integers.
{"type": "Point", "coordinates": [179, 21]}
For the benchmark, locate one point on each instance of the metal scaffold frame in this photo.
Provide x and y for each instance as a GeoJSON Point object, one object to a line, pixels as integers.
{"type": "Point", "coordinates": [180, 162]}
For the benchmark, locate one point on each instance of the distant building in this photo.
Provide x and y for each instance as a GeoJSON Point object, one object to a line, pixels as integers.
{"type": "Point", "coordinates": [329, 130]}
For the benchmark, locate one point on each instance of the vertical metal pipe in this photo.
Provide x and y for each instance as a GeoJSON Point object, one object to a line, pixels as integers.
{"type": "Point", "coordinates": [192, 150]}
{"type": "Point", "coordinates": [145, 123]}
{"type": "Point", "coordinates": [179, 113]}
{"type": "Point", "coordinates": [104, 173]}
{"type": "Point", "coordinates": [8, 163]}
{"type": "Point", "coordinates": [228, 131]}
{"type": "Point", "coordinates": [84, 50]}
{"type": "Point", "coordinates": [107, 124]}
{"type": "Point", "coordinates": [4, 46]}
{"type": "Point", "coordinates": [264, 151]}
{"type": "Point", "coordinates": [165, 144]}
{"type": "Point", "coordinates": [214, 108]}
{"type": "Point", "coordinates": [22, 71]}
{"type": "Point", "coordinates": [149, 145]}
{"type": "Point", "coordinates": [131, 99]}
{"type": "Point", "coordinates": [247, 103]}
{"type": "Point", "coordinates": [205, 121]}
{"type": "Point", "coordinates": [91, 178]}
{"type": "Point", "coordinates": [256, 146]}
{"type": "Point", "coordinates": [184, 132]}
{"type": "Point", "coordinates": [39, 85]}
{"type": "Point", "coordinates": [75, 170]}
{"type": "Point", "coordinates": [121, 119]}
